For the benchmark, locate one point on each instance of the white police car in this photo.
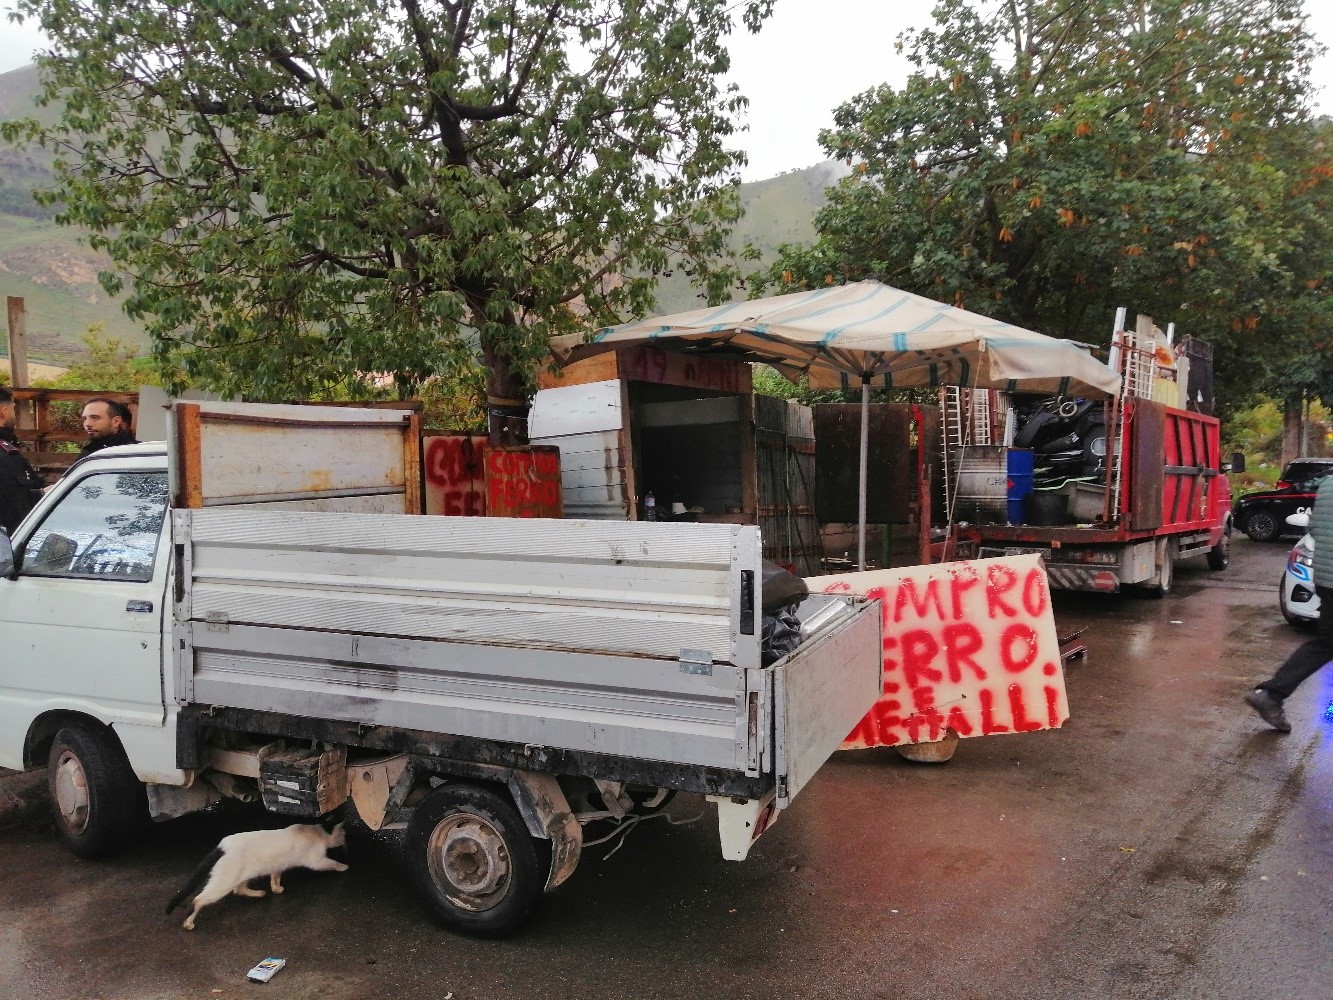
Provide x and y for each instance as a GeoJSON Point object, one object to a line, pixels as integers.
{"type": "Point", "coordinates": [1296, 594]}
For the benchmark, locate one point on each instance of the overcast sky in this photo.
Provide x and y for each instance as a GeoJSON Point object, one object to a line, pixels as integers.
{"type": "Point", "coordinates": [810, 57]}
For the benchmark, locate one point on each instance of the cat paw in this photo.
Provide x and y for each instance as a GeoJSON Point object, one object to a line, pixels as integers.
{"type": "Point", "coordinates": [188, 925]}
{"type": "Point", "coordinates": [278, 890]}
{"type": "Point", "coordinates": [340, 867]}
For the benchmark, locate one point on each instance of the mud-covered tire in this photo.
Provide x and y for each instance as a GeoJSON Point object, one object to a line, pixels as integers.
{"type": "Point", "coordinates": [1219, 556]}
{"type": "Point", "coordinates": [1166, 574]}
{"type": "Point", "coordinates": [1261, 526]}
{"type": "Point", "coordinates": [472, 862]}
{"type": "Point", "coordinates": [98, 804]}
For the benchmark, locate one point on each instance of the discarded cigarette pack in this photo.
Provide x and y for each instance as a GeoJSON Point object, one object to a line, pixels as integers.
{"type": "Point", "coordinates": [265, 970]}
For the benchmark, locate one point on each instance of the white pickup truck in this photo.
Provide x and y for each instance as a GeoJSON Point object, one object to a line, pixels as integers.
{"type": "Point", "coordinates": [247, 612]}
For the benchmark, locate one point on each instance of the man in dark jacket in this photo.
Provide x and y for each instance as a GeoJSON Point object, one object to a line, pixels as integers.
{"type": "Point", "coordinates": [1267, 698]}
{"type": "Point", "coordinates": [20, 486]}
{"type": "Point", "coordinates": [107, 423]}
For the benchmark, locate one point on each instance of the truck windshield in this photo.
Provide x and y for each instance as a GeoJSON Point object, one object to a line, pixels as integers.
{"type": "Point", "coordinates": [106, 527]}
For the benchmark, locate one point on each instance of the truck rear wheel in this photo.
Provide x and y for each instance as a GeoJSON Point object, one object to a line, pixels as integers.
{"type": "Point", "coordinates": [97, 802]}
{"type": "Point", "coordinates": [1166, 569]}
{"type": "Point", "coordinates": [472, 861]}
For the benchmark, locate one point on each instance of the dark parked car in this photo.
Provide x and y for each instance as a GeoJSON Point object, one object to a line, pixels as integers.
{"type": "Point", "coordinates": [1263, 515]}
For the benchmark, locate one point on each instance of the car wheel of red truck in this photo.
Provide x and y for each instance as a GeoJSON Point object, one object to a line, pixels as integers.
{"type": "Point", "coordinates": [472, 861]}
{"type": "Point", "coordinates": [1261, 526]}
{"type": "Point", "coordinates": [97, 802]}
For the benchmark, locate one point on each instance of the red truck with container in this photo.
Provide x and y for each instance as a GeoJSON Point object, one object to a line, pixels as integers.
{"type": "Point", "coordinates": [1159, 494]}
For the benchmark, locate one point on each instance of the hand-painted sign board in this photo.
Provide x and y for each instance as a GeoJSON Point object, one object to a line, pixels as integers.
{"type": "Point", "coordinates": [466, 476]}
{"type": "Point", "coordinates": [968, 646]}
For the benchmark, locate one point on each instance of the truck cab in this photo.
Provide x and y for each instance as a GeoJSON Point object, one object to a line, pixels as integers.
{"type": "Point", "coordinates": [83, 608]}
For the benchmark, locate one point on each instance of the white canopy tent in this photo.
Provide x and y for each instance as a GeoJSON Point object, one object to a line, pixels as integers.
{"type": "Point", "coordinates": [867, 334]}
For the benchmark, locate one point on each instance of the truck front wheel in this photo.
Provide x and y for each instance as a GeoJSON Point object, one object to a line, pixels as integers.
{"type": "Point", "coordinates": [96, 800]}
{"type": "Point", "coordinates": [1219, 556]}
{"type": "Point", "coordinates": [472, 861]}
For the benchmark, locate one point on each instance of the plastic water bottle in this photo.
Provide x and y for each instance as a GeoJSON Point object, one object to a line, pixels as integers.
{"type": "Point", "coordinates": [650, 507]}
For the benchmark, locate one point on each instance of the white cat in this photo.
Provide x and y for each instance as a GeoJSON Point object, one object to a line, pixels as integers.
{"type": "Point", "coordinates": [243, 856]}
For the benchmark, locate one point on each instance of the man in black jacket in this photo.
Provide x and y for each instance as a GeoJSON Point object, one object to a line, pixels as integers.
{"type": "Point", "coordinates": [20, 486]}
{"type": "Point", "coordinates": [107, 423]}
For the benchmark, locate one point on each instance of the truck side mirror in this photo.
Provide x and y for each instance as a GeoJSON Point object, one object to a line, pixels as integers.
{"type": "Point", "coordinates": [7, 567]}
{"type": "Point", "coordinates": [1237, 463]}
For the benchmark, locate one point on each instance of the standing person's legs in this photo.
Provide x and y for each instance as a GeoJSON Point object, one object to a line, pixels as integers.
{"type": "Point", "coordinates": [1267, 698]}
{"type": "Point", "coordinates": [1309, 656]}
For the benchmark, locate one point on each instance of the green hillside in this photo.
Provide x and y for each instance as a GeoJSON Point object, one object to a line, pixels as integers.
{"type": "Point", "coordinates": [778, 210]}
{"type": "Point", "coordinates": [56, 273]}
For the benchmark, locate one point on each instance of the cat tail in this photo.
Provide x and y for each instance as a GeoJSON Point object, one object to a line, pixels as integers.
{"type": "Point", "coordinates": [196, 879]}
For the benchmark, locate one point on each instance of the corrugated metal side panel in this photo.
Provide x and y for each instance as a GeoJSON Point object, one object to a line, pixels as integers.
{"type": "Point", "coordinates": [592, 475]}
{"type": "Point", "coordinates": [584, 422]}
{"type": "Point", "coordinates": [575, 409]}
{"type": "Point", "coordinates": [632, 707]}
{"type": "Point", "coordinates": [623, 588]}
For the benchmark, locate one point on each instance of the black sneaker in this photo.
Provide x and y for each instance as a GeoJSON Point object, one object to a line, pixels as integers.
{"type": "Point", "coordinates": [1269, 709]}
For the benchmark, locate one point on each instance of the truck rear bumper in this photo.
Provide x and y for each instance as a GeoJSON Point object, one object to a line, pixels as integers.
{"type": "Point", "coordinates": [1102, 577]}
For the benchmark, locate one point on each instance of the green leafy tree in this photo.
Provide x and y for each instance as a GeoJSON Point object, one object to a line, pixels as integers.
{"type": "Point", "coordinates": [305, 191]}
{"type": "Point", "coordinates": [1048, 161]}
{"type": "Point", "coordinates": [1292, 324]}
{"type": "Point", "coordinates": [110, 365]}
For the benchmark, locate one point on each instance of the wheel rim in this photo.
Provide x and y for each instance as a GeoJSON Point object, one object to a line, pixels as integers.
{"type": "Point", "coordinates": [71, 787]}
{"type": "Point", "coordinates": [469, 861]}
{"type": "Point", "coordinates": [1261, 525]}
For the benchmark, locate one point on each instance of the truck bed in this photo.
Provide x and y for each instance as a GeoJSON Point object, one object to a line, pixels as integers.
{"type": "Point", "coordinates": [634, 641]}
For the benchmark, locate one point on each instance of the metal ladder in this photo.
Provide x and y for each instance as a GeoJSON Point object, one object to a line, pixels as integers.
{"type": "Point", "coordinates": [1140, 365]}
{"type": "Point", "coordinates": [1137, 359]}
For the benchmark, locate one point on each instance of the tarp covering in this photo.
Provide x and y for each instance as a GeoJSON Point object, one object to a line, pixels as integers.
{"type": "Point", "coordinates": [842, 334]}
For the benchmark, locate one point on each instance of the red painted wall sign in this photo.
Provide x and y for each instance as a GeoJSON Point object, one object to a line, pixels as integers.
{"type": "Point", "coordinates": [524, 481]}
{"type": "Point", "coordinates": [455, 474]}
{"type": "Point", "coordinates": [652, 364]}
{"type": "Point", "coordinates": [467, 477]}
{"type": "Point", "coordinates": [968, 646]}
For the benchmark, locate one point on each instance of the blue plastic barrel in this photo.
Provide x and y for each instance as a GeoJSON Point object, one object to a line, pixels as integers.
{"type": "Point", "coordinates": [1019, 465]}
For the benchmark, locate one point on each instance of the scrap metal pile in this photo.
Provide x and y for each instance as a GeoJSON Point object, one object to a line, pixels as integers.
{"type": "Point", "coordinates": [1068, 439]}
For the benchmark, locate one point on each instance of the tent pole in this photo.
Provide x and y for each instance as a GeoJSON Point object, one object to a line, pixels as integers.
{"type": "Point", "coordinates": [865, 464]}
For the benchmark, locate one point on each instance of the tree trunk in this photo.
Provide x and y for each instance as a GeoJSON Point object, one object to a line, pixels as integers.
{"type": "Point", "coordinates": [1291, 429]}
{"type": "Point", "coordinates": [506, 398]}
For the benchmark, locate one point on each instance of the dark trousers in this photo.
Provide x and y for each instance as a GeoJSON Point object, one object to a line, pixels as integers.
{"type": "Point", "coordinates": [1309, 655]}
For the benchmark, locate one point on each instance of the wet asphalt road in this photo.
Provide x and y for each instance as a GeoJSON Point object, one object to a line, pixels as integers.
{"type": "Point", "coordinates": [1163, 844]}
